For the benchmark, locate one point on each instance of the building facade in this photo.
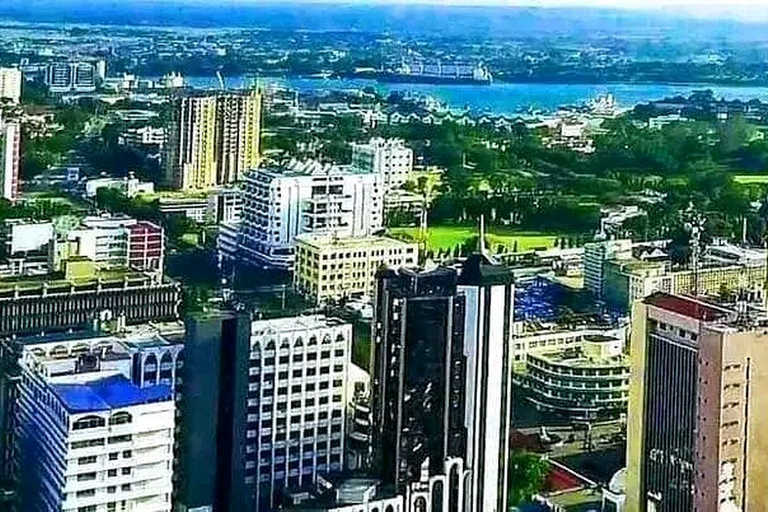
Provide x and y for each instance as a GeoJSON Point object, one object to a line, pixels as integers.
{"type": "Point", "coordinates": [390, 158]}
{"type": "Point", "coordinates": [76, 76]}
{"type": "Point", "coordinates": [34, 306]}
{"type": "Point", "coordinates": [213, 140]}
{"type": "Point", "coordinates": [297, 399]}
{"type": "Point", "coordinates": [596, 255]}
{"type": "Point", "coordinates": [89, 438]}
{"type": "Point", "coordinates": [696, 422]}
{"type": "Point", "coordinates": [10, 84]}
{"type": "Point", "coordinates": [10, 154]}
{"type": "Point", "coordinates": [442, 380]}
{"type": "Point", "coordinates": [328, 268]}
{"type": "Point", "coordinates": [585, 383]}
{"type": "Point", "coordinates": [303, 197]}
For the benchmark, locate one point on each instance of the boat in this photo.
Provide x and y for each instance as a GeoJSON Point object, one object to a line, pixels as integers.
{"type": "Point", "coordinates": [438, 73]}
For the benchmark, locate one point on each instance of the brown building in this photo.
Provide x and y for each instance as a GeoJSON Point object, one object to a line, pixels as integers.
{"type": "Point", "coordinates": [698, 420]}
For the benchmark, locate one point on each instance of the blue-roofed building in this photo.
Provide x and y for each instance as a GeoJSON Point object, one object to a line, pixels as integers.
{"type": "Point", "coordinates": [90, 435]}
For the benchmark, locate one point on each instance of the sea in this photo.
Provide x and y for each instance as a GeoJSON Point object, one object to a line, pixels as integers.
{"type": "Point", "coordinates": [501, 98]}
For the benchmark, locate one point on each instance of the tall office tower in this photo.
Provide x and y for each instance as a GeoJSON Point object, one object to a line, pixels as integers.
{"type": "Point", "coordinates": [239, 135]}
{"type": "Point", "coordinates": [697, 424]}
{"type": "Point", "coordinates": [10, 84]}
{"type": "Point", "coordinates": [442, 387]}
{"type": "Point", "coordinates": [297, 400]}
{"type": "Point", "coordinates": [596, 255]}
{"type": "Point", "coordinates": [390, 158]}
{"type": "Point", "coordinates": [190, 157]}
{"type": "Point", "coordinates": [302, 197]}
{"type": "Point", "coordinates": [213, 412]}
{"type": "Point", "coordinates": [213, 140]}
{"type": "Point", "coordinates": [489, 293]}
{"type": "Point", "coordinates": [10, 151]}
{"type": "Point", "coordinates": [89, 438]}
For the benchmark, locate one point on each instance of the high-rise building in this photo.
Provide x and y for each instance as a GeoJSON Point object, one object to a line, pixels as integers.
{"type": "Point", "coordinates": [596, 255]}
{"type": "Point", "coordinates": [88, 436]}
{"type": "Point", "coordinates": [10, 154]}
{"type": "Point", "coordinates": [213, 409]}
{"type": "Point", "coordinates": [10, 84]}
{"type": "Point", "coordinates": [390, 158]}
{"type": "Point", "coordinates": [302, 197]}
{"type": "Point", "coordinates": [442, 380]}
{"type": "Point", "coordinates": [264, 408]}
{"type": "Point", "coordinates": [697, 423]}
{"type": "Point", "coordinates": [213, 140]}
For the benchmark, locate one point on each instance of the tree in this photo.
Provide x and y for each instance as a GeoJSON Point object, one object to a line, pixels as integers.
{"type": "Point", "coordinates": [528, 474]}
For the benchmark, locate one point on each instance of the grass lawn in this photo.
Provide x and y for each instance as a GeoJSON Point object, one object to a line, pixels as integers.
{"type": "Point", "coordinates": [447, 237]}
{"type": "Point", "coordinates": [751, 179]}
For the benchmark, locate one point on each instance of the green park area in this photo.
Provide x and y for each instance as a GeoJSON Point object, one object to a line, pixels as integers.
{"type": "Point", "coordinates": [448, 237]}
{"type": "Point", "coordinates": [751, 179]}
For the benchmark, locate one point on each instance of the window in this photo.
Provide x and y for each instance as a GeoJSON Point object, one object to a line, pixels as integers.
{"type": "Point", "coordinates": [87, 444]}
{"type": "Point", "coordinates": [324, 385]}
{"type": "Point", "coordinates": [111, 489]}
{"type": "Point", "coordinates": [120, 418]}
{"type": "Point", "coordinates": [81, 461]}
{"type": "Point", "coordinates": [86, 493]}
{"type": "Point", "coordinates": [120, 439]}
{"type": "Point", "coordinates": [88, 422]}
{"type": "Point", "coordinates": [325, 354]}
{"type": "Point", "coordinates": [127, 471]}
{"type": "Point", "coordinates": [84, 477]}
{"type": "Point", "coordinates": [113, 456]}
{"type": "Point", "coordinates": [125, 487]}
{"type": "Point", "coordinates": [89, 508]}
{"type": "Point", "coordinates": [311, 372]}
{"type": "Point", "coordinates": [111, 472]}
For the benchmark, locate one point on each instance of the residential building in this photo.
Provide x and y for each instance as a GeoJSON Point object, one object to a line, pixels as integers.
{"type": "Point", "coordinates": [403, 208]}
{"type": "Point", "coordinates": [75, 76]}
{"type": "Point", "coordinates": [226, 205]}
{"type": "Point", "coordinates": [89, 438]}
{"type": "Point", "coordinates": [10, 84]}
{"type": "Point", "coordinates": [303, 197]}
{"type": "Point", "coordinates": [196, 208]}
{"type": "Point", "coordinates": [213, 140]}
{"type": "Point", "coordinates": [296, 427]}
{"type": "Point", "coordinates": [585, 383]}
{"type": "Point", "coordinates": [596, 255]}
{"type": "Point", "coordinates": [85, 296]}
{"type": "Point", "coordinates": [213, 408]}
{"type": "Point", "coordinates": [329, 268]}
{"type": "Point", "coordinates": [390, 158]}
{"type": "Point", "coordinates": [442, 381]}
{"type": "Point", "coordinates": [696, 422]}
{"type": "Point", "coordinates": [10, 154]}
{"type": "Point", "coordinates": [146, 247]}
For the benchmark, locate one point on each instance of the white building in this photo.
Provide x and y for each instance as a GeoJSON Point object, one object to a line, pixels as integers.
{"type": "Point", "coordinates": [304, 197]}
{"type": "Point", "coordinates": [390, 158]}
{"type": "Point", "coordinates": [298, 394]}
{"type": "Point", "coordinates": [10, 153]}
{"type": "Point", "coordinates": [143, 136]}
{"type": "Point", "coordinates": [595, 257]}
{"type": "Point", "coordinates": [10, 84]}
{"type": "Point", "coordinates": [130, 186]}
{"type": "Point", "coordinates": [89, 438]}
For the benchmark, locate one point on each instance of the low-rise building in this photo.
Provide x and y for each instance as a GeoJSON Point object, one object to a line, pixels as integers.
{"type": "Point", "coordinates": [586, 383]}
{"type": "Point", "coordinates": [390, 158]}
{"type": "Point", "coordinates": [26, 247]}
{"type": "Point", "coordinates": [130, 186]}
{"type": "Point", "coordinates": [330, 268]}
{"type": "Point", "coordinates": [554, 337]}
{"type": "Point", "coordinates": [143, 136]}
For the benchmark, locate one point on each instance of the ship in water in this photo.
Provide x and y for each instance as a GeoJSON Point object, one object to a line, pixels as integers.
{"type": "Point", "coordinates": [438, 73]}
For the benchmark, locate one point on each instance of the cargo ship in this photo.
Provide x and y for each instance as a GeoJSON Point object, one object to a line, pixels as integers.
{"type": "Point", "coordinates": [438, 73]}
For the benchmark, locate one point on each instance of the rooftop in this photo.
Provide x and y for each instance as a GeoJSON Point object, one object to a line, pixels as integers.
{"type": "Point", "coordinates": [687, 306]}
{"type": "Point", "coordinates": [328, 242]}
{"type": "Point", "coordinates": [57, 280]}
{"type": "Point", "coordinates": [577, 359]}
{"type": "Point", "coordinates": [295, 323]}
{"type": "Point", "coordinates": [106, 393]}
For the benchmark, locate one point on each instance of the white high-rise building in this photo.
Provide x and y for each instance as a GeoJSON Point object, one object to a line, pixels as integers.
{"type": "Point", "coordinates": [297, 399]}
{"type": "Point", "coordinates": [88, 437]}
{"type": "Point", "coordinates": [303, 197]}
{"type": "Point", "coordinates": [10, 84]}
{"type": "Point", "coordinates": [390, 158]}
{"type": "Point", "coordinates": [10, 154]}
{"type": "Point", "coordinates": [596, 255]}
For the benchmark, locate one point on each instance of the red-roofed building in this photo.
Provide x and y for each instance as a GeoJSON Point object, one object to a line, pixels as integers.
{"type": "Point", "coordinates": [146, 246]}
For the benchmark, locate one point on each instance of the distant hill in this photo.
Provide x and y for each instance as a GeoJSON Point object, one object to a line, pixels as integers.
{"type": "Point", "coordinates": [404, 20]}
